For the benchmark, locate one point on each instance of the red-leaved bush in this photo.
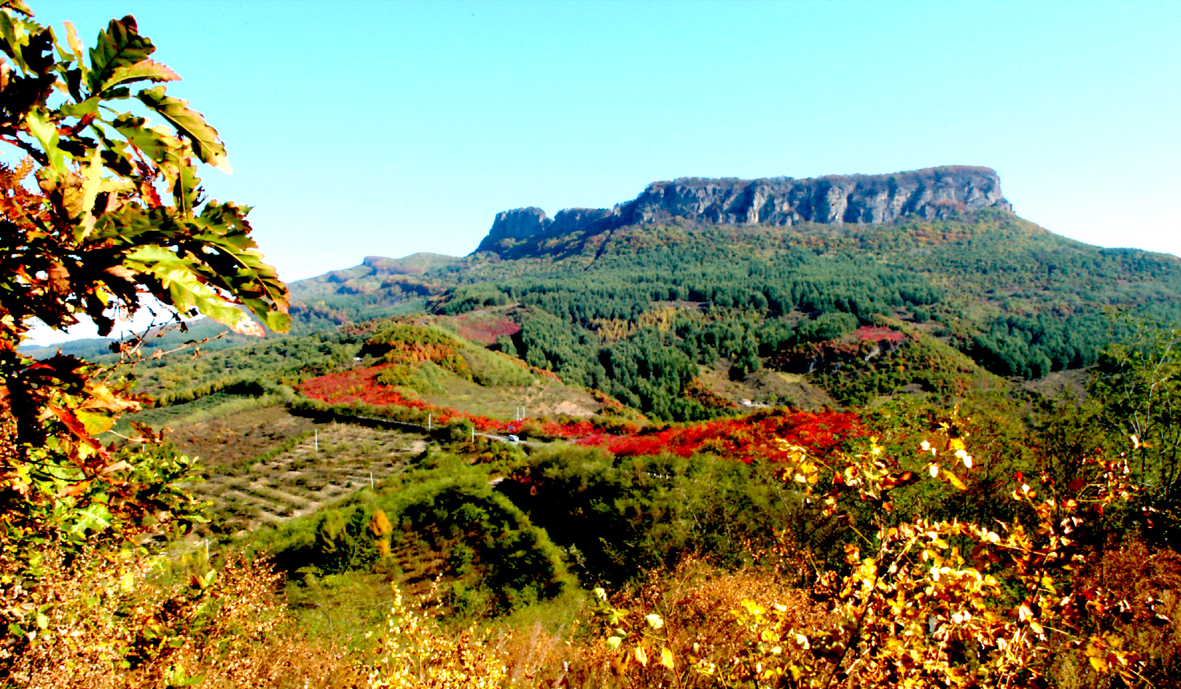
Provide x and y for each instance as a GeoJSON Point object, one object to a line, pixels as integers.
{"type": "Point", "coordinates": [745, 439]}
{"type": "Point", "coordinates": [868, 333]}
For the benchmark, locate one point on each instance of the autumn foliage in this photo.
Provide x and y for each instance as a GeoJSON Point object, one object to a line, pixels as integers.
{"type": "Point", "coordinates": [751, 438]}
{"type": "Point", "coordinates": [922, 602]}
{"type": "Point", "coordinates": [746, 439]}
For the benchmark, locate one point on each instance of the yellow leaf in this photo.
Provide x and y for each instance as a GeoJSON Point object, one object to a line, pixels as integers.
{"type": "Point", "coordinates": [641, 656]}
{"type": "Point", "coordinates": [666, 658]}
{"type": "Point", "coordinates": [95, 423]}
{"type": "Point", "coordinates": [753, 607]}
{"type": "Point", "coordinates": [955, 480]}
{"type": "Point", "coordinates": [1100, 664]}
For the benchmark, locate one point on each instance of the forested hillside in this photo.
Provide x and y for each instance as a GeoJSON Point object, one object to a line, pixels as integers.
{"type": "Point", "coordinates": [646, 311]}
{"type": "Point", "coordinates": [652, 312]}
{"type": "Point", "coordinates": [730, 430]}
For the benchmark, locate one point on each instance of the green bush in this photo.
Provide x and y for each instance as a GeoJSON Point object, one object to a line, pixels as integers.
{"type": "Point", "coordinates": [448, 523]}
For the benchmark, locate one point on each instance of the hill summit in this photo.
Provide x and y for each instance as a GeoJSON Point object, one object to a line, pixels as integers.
{"type": "Point", "coordinates": [931, 193]}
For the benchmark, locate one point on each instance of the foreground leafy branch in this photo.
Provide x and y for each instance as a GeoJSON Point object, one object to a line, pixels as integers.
{"type": "Point", "coordinates": [102, 216]}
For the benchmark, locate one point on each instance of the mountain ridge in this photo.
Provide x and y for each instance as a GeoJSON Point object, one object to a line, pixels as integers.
{"type": "Point", "coordinates": [930, 193]}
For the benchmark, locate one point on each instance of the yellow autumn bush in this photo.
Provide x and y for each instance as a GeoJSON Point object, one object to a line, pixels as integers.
{"type": "Point", "coordinates": [916, 602]}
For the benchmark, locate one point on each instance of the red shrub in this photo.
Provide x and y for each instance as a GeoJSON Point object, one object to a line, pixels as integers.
{"type": "Point", "coordinates": [746, 439]}
{"type": "Point", "coordinates": [866, 332]}
{"type": "Point", "coordinates": [360, 385]}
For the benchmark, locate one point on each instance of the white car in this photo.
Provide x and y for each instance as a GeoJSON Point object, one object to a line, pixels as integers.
{"type": "Point", "coordinates": [514, 439]}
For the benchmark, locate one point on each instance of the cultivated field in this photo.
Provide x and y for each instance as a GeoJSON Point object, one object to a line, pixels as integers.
{"type": "Point", "coordinates": [266, 465]}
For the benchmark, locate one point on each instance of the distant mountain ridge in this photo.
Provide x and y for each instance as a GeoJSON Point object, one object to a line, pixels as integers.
{"type": "Point", "coordinates": [930, 193]}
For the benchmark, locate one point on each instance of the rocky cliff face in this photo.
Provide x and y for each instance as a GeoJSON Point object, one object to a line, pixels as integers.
{"type": "Point", "coordinates": [928, 193]}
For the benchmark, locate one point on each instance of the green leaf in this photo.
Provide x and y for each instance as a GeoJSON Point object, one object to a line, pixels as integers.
{"type": "Point", "coordinates": [186, 190]}
{"type": "Point", "coordinates": [238, 268]}
{"type": "Point", "coordinates": [17, 5]}
{"type": "Point", "coordinates": [93, 518]}
{"type": "Point", "coordinates": [91, 184]}
{"type": "Point", "coordinates": [148, 70]}
{"type": "Point", "coordinates": [158, 145]}
{"type": "Point", "coordinates": [15, 34]}
{"type": "Point", "coordinates": [278, 321]}
{"type": "Point", "coordinates": [95, 423]}
{"type": "Point", "coordinates": [82, 109]}
{"type": "Point", "coordinates": [118, 47]}
{"type": "Point", "coordinates": [187, 291]}
{"type": "Point", "coordinates": [190, 124]}
{"type": "Point", "coordinates": [43, 129]}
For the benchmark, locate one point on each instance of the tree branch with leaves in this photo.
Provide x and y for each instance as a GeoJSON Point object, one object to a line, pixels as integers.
{"type": "Point", "coordinates": [101, 214]}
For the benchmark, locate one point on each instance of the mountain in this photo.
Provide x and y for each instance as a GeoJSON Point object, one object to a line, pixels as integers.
{"type": "Point", "coordinates": [922, 281]}
{"type": "Point", "coordinates": [700, 295]}
{"type": "Point", "coordinates": [464, 448]}
{"type": "Point", "coordinates": [780, 201]}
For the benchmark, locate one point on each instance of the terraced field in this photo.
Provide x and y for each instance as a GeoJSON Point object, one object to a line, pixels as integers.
{"type": "Point", "coordinates": [322, 464]}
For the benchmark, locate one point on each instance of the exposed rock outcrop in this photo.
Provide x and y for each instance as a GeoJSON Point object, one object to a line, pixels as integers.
{"type": "Point", "coordinates": [575, 219]}
{"type": "Point", "coordinates": [519, 222]}
{"type": "Point", "coordinates": [784, 201]}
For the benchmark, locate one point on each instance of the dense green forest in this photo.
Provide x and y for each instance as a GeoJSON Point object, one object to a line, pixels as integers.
{"type": "Point", "coordinates": [634, 313]}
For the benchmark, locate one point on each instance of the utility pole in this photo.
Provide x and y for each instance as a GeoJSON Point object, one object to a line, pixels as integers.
{"type": "Point", "coordinates": [429, 422]}
{"type": "Point", "coordinates": [317, 441]}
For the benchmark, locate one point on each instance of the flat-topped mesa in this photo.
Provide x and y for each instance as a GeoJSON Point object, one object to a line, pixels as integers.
{"type": "Point", "coordinates": [929, 193]}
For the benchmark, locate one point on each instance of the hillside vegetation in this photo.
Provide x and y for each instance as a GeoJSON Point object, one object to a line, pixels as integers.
{"type": "Point", "coordinates": [623, 448]}
{"type": "Point", "coordinates": [376, 456]}
{"type": "Point", "coordinates": [661, 316]}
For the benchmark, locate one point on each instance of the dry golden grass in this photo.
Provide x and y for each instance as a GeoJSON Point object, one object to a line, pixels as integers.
{"type": "Point", "coordinates": [697, 604]}
{"type": "Point", "coordinates": [1146, 585]}
{"type": "Point", "coordinates": [121, 623]}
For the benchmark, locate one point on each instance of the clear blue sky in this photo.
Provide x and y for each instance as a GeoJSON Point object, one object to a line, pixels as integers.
{"type": "Point", "coordinates": [388, 128]}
